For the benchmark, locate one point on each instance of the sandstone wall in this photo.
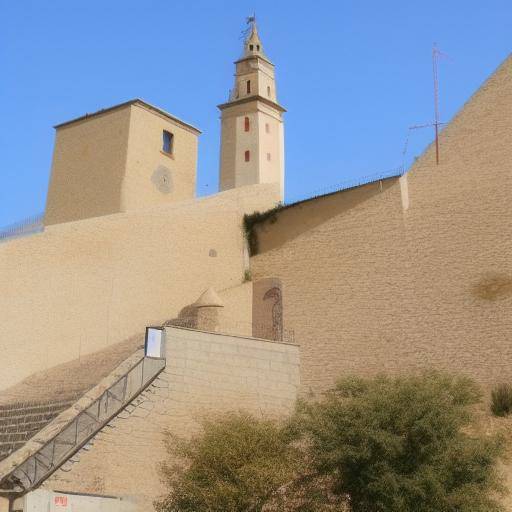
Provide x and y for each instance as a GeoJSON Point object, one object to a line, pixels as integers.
{"type": "Point", "coordinates": [88, 168]}
{"type": "Point", "coordinates": [81, 286]}
{"type": "Point", "coordinates": [236, 315]}
{"type": "Point", "coordinates": [376, 279]}
{"type": "Point", "coordinates": [206, 373]}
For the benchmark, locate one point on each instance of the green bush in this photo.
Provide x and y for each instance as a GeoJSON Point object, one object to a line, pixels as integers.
{"type": "Point", "coordinates": [237, 464]}
{"type": "Point", "coordinates": [400, 445]}
{"type": "Point", "coordinates": [501, 400]}
{"type": "Point", "coordinates": [379, 445]}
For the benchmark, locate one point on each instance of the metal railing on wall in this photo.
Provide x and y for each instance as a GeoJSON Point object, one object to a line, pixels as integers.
{"type": "Point", "coordinates": [34, 224]}
{"type": "Point", "coordinates": [230, 327]}
{"type": "Point", "coordinates": [28, 226]}
{"type": "Point", "coordinates": [347, 184]}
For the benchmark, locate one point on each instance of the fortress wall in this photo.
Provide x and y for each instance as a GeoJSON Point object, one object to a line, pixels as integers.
{"type": "Point", "coordinates": [338, 271]}
{"type": "Point", "coordinates": [369, 287]}
{"type": "Point", "coordinates": [81, 286]}
{"type": "Point", "coordinates": [206, 374]}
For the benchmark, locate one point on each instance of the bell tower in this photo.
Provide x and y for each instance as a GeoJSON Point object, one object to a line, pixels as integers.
{"type": "Point", "coordinates": [252, 130]}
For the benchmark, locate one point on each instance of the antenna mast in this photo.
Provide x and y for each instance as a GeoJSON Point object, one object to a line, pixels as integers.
{"type": "Point", "coordinates": [435, 56]}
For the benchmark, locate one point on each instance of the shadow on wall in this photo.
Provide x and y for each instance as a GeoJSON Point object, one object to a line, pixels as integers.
{"type": "Point", "coordinates": [288, 222]}
{"type": "Point", "coordinates": [192, 317]}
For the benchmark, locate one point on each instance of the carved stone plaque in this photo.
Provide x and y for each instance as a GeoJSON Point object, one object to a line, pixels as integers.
{"type": "Point", "coordinates": [162, 179]}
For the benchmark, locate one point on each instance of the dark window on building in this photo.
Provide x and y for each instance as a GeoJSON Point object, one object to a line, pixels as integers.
{"type": "Point", "coordinates": [168, 142]}
{"type": "Point", "coordinates": [268, 91]}
{"type": "Point", "coordinates": [268, 157]}
{"type": "Point", "coordinates": [246, 124]}
{"type": "Point", "coordinates": [258, 47]}
{"type": "Point", "coordinates": [267, 127]}
{"type": "Point", "coordinates": [248, 87]}
{"type": "Point", "coordinates": [251, 47]}
{"type": "Point", "coordinates": [247, 155]}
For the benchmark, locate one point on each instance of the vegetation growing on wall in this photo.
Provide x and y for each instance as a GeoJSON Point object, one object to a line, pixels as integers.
{"type": "Point", "coordinates": [382, 444]}
{"type": "Point", "coordinates": [250, 222]}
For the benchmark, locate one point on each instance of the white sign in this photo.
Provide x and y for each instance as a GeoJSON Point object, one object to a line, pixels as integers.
{"type": "Point", "coordinates": [155, 337]}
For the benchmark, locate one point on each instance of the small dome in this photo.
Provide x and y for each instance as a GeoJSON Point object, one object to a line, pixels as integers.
{"type": "Point", "coordinates": [209, 298]}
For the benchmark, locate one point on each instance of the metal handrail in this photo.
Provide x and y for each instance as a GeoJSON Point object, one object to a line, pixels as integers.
{"type": "Point", "coordinates": [26, 475]}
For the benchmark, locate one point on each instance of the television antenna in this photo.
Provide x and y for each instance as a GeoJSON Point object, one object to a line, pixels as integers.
{"type": "Point", "coordinates": [436, 55]}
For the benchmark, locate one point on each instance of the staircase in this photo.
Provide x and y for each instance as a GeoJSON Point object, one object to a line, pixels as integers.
{"type": "Point", "coordinates": [19, 422]}
{"type": "Point", "coordinates": [38, 438]}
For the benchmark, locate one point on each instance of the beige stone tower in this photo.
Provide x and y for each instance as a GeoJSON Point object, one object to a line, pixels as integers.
{"type": "Point", "coordinates": [132, 156]}
{"type": "Point", "coordinates": [252, 132]}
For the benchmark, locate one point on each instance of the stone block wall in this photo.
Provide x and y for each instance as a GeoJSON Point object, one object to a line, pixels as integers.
{"type": "Point", "coordinates": [206, 374]}
{"type": "Point", "coordinates": [381, 279]}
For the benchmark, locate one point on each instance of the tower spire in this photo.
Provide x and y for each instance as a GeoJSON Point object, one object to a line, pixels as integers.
{"type": "Point", "coordinates": [252, 43]}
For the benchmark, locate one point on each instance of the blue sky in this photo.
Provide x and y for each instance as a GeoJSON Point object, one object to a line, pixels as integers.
{"type": "Point", "coordinates": [352, 75]}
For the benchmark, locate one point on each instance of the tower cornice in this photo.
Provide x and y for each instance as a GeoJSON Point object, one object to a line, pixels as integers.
{"type": "Point", "coordinates": [249, 99]}
{"type": "Point", "coordinates": [253, 57]}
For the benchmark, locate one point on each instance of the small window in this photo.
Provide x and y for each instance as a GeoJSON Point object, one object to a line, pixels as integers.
{"type": "Point", "coordinates": [251, 47]}
{"type": "Point", "coordinates": [246, 124]}
{"type": "Point", "coordinates": [168, 142]}
{"type": "Point", "coordinates": [267, 127]}
{"type": "Point", "coordinates": [247, 156]}
{"type": "Point", "coordinates": [268, 91]}
{"type": "Point", "coordinates": [268, 157]}
{"type": "Point", "coordinates": [258, 47]}
{"type": "Point", "coordinates": [248, 87]}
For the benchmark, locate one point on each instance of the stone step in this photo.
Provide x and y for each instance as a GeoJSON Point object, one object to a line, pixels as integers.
{"type": "Point", "coordinates": [17, 414]}
{"type": "Point", "coordinates": [28, 418]}
{"type": "Point", "coordinates": [7, 448]}
{"type": "Point", "coordinates": [14, 437]}
{"type": "Point", "coordinates": [20, 422]}
{"type": "Point", "coordinates": [18, 407]}
{"type": "Point", "coordinates": [22, 427]}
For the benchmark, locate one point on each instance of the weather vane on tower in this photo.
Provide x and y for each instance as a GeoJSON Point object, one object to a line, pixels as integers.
{"type": "Point", "coordinates": [250, 21]}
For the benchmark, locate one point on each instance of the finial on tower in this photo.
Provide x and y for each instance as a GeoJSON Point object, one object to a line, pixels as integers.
{"type": "Point", "coordinates": [252, 43]}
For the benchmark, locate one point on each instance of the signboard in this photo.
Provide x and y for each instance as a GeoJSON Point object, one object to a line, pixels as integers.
{"type": "Point", "coordinates": [60, 501]}
{"type": "Point", "coordinates": [42, 500]}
